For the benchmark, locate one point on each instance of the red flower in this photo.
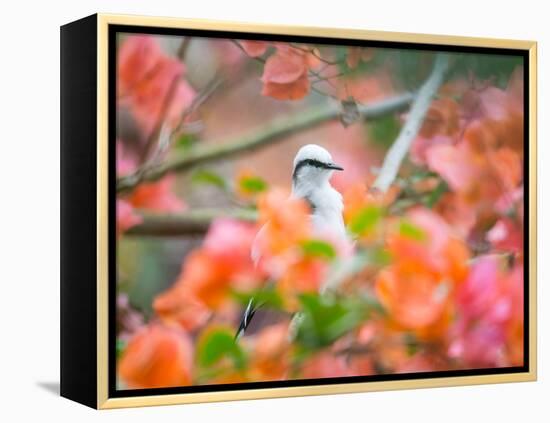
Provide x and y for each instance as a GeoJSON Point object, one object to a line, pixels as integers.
{"type": "Point", "coordinates": [157, 196]}
{"type": "Point", "coordinates": [146, 75]}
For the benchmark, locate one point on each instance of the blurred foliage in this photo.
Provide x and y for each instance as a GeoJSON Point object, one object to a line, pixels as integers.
{"type": "Point", "coordinates": [207, 177]}
{"type": "Point", "coordinates": [384, 131]}
{"type": "Point", "coordinates": [218, 343]}
{"type": "Point", "coordinates": [325, 319]}
{"type": "Point", "coordinates": [318, 249]}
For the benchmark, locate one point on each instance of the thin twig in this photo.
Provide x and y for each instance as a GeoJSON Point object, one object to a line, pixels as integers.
{"type": "Point", "coordinates": [323, 93]}
{"type": "Point", "coordinates": [313, 52]}
{"type": "Point", "coordinates": [192, 222]}
{"type": "Point", "coordinates": [165, 136]}
{"type": "Point", "coordinates": [183, 48]}
{"type": "Point", "coordinates": [257, 58]}
{"type": "Point", "coordinates": [419, 108]}
{"type": "Point", "coordinates": [274, 131]}
{"type": "Point", "coordinates": [155, 132]}
{"type": "Point", "coordinates": [199, 99]}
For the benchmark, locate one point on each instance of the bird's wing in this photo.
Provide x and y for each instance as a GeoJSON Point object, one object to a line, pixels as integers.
{"type": "Point", "coordinates": [256, 250]}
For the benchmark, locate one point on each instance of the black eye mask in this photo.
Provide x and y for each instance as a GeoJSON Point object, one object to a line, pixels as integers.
{"type": "Point", "coordinates": [314, 163]}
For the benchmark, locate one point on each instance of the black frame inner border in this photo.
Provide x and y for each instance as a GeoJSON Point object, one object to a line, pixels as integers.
{"type": "Point", "coordinates": [113, 30]}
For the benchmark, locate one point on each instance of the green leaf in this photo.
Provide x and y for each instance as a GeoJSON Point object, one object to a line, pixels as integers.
{"type": "Point", "coordinates": [120, 347]}
{"type": "Point", "coordinates": [325, 319]}
{"type": "Point", "coordinates": [410, 230]}
{"type": "Point", "coordinates": [319, 249]}
{"type": "Point", "coordinates": [203, 176]}
{"type": "Point", "coordinates": [253, 184]}
{"type": "Point", "coordinates": [185, 142]}
{"type": "Point", "coordinates": [411, 344]}
{"type": "Point", "coordinates": [380, 256]}
{"type": "Point", "coordinates": [366, 220]}
{"type": "Point", "coordinates": [385, 130]}
{"type": "Point", "coordinates": [436, 194]}
{"type": "Point", "coordinates": [217, 344]}
{"type": "Point", "coordinates": [266, 297]}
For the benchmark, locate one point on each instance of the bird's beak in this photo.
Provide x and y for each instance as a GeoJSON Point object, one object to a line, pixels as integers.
{"type": "Point", "coordinates": [334, 166]}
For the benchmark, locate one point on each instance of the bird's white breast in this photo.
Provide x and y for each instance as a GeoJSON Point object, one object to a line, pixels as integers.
{"type": "Point", "coordinates": [327, 212]}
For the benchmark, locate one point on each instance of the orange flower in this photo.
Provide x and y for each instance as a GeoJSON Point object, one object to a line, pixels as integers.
{"type": "Point", "coordinates": [271, 353]}
{"type": "Point", "coordinates": [428, 262]}
{"type": "Point", "coordinates": [210, 273]}
{"type": "Point", "coordinates": [178, 305]}
{"type": "Point", "coordinates": [429, 244]}
{"type": "Point", "coordinates": [157, 357]}
{"type": "Point", "coordinates": [358, 197]}
{"type": "Point", "coordinates": [206, 278]}
{"type": "Point", "coordinates": [414, 297]}
{"type": "Point", "coordinates": [303, 276]}
{"type": "Point", "coordinates": [286, 222]}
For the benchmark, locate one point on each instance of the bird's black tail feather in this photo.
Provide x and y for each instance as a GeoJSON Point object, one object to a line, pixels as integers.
{"type": "Point", "coordinates": [247, 317]}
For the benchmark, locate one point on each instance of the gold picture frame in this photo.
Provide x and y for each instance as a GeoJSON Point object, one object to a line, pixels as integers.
{"type": "Point", "coordinates": [99, 26]}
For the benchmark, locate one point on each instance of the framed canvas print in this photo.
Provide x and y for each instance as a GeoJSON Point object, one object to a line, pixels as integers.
{"type": "Point", "coordinates": [263, 211]}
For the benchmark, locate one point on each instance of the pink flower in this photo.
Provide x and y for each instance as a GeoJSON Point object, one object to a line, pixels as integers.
{"type": "Point", "coordinates": [476, 295]}
{"type": "Point", "coordinates": [422, 145]}
{"type": "Point", "coordinates": [229, 242]}
{"type": "Point", "coordinates": [455, 164]}
{"type": "Point", "coordinates": [488, 330]}
{"type": "Point", "coordinates": [125, 216]}
{"type": "Point", "coordinates": [480, 346]}
{"type": "Point", "coordinates": [125, 164]}
{"type": "Point", "coordinates": [356, 166]}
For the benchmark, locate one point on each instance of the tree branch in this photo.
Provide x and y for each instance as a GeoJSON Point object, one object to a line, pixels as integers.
{"type": "Point", "coordinates": [261, 137]}
{"type": "Point", "coordinates": [418, 111]}
{"type": "Point", "coordinates": [192, 222]}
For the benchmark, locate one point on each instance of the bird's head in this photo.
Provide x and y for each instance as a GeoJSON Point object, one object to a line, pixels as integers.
{"type": "Point", "coordinates": [313, 165]}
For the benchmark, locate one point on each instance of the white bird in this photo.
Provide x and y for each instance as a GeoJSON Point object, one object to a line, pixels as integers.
{"type": "Point", "coordinates": [313, 167]}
